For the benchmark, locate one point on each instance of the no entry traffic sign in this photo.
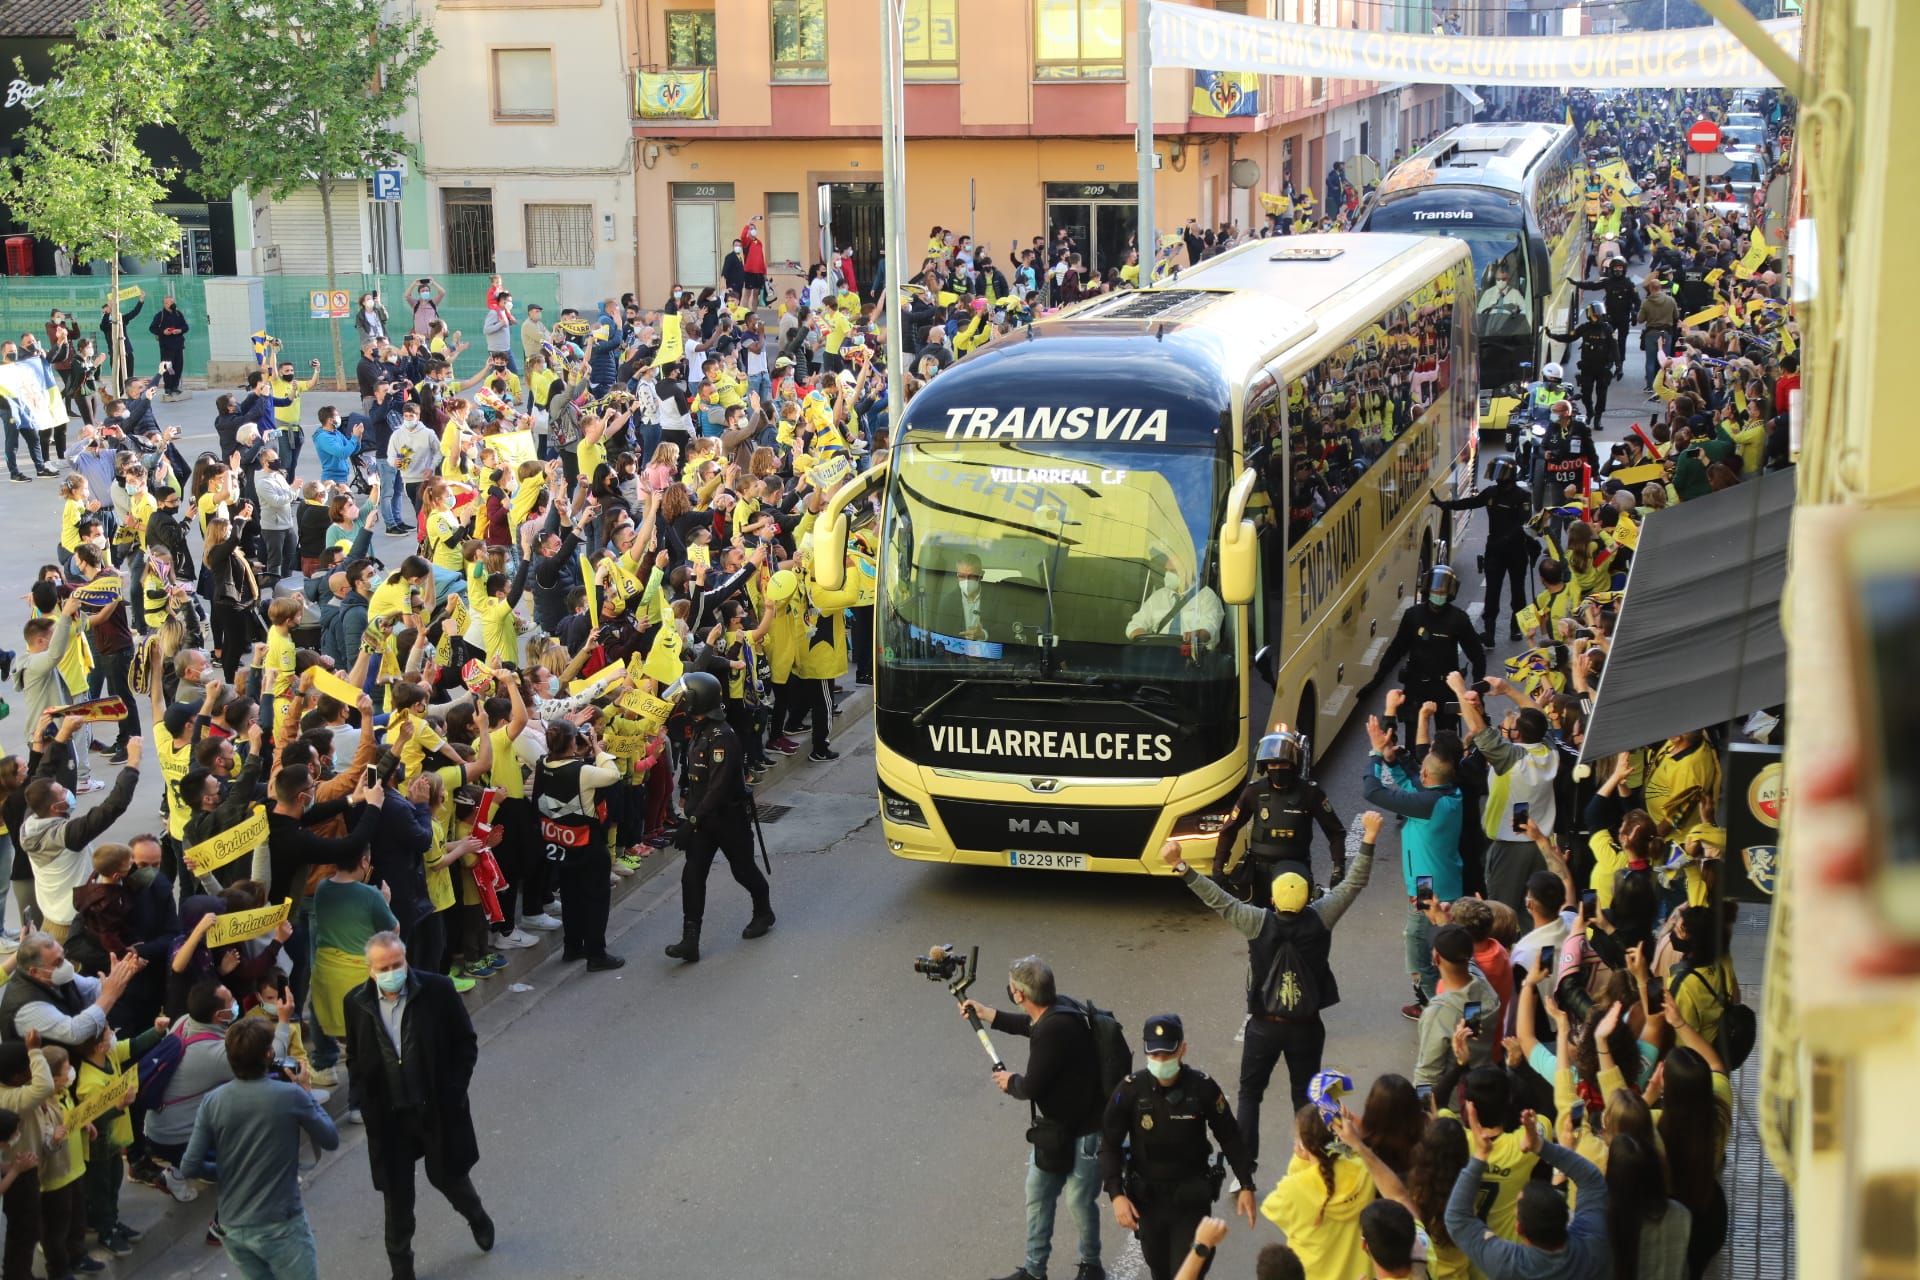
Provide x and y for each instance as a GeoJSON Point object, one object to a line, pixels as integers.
{"type": "Point", "coordinates": [1704, 137]}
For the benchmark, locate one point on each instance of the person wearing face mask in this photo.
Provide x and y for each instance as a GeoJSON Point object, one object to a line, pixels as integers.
{"type": "Point", "coordinates": [1155, 1158]}
{"type": "Point", "coordinates": [47, 997]}
{"type": "Point", "coordinates": [414, 1048]}
{"type": "Point", "coordinates": [60, 845]}
{"type": "Point", "coordinates": [1179, 606]}
{"type": "Point", "coordinates": [1287, 806]}
{"type": "Point", "coordinates": [1433, 633]}
{"type": "Point", "coordinates": [201, 1067]}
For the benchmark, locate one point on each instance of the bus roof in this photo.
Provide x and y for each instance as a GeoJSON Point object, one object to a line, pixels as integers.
{"type": "Point", "coordinates": [1477, 155]}
{"type": "Point", "coordinates": [1186, 344]}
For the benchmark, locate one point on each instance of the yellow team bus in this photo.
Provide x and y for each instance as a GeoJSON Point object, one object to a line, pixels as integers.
{"type": "Point", "coordinates": [1515, 192]}
{"type": "Point", "coordinates": [1094, 530]}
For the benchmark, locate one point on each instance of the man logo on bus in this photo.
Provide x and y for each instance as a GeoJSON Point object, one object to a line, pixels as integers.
{"type": "Point", "coordinates": [1042, 827]}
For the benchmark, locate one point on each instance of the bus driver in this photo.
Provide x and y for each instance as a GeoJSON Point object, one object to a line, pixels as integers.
{"type": "Point", "coordinates": [962, 611]}
{"type": "Point", "coordinates": [1194, 613]}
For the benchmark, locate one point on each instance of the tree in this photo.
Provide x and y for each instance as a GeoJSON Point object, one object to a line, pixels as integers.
{"type": "Point", "coordinates": [80, 178]}
{"type": "Point", "coordinates": [1651, 15]}
{"type": "Point", "coordinates": [299, 92]}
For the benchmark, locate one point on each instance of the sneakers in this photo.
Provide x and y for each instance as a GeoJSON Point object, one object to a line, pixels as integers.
{"type": "Point", "coordinates": [91, 784]}
{"type": "Point", "coordinates": [461, 982]}
{"type": "Point", "coordinates": [516, 941]}
{"type": "Point", "coordinates": [828, 754]}
{"type": "Point", "coordinates": [86, 1265]}
{"type": "Point", "coordinates": [1411, 1012]}
{"type": "Point", "coordinates": [216, 1234]}
{"type": "Point", "coordinates": [354, 1116]}
{"type": "Point", "coordinates": [543, 922]}
{"type": "Point", "coordinates": [784, 745]}
{"type": "Point", "coordinates": [119, 755]}
{"type": "Point", "coordinates": [178, 1187]}
{"type": "Point", "coordinates": [481, 970]}
{"type": "Point", "coordinates": [18, 478]}
{"type": "Point", "coordinates": [322, 1077]}
{"type": "Point", "coordinates": [625, 865]}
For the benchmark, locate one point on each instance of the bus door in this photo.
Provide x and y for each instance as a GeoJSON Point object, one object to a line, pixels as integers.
{"type": "Point", "coordinates": [1266, 424]}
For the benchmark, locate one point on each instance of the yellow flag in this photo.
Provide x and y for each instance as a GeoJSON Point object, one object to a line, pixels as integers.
{"type": "Point", "coordinates": [238, 926]}
{"type": "Point", "coordinates": [1787, 346]}
{"type": "Point", "coordinates": [234, 842]}
{"type": "Point", "coordinates": [106, 1098]}
{"type": "Point", "coordinates": [336, 687]}
{"type": "Point", "coordinates": [592, 589]}
{"type": "Point", "coordinates": [699, 553]}
{"type": "Point", "coordinates": [673, 344]}
{"type": "Point", "coordinates": [604, 676]}
{"type": "Point", "coordinates": [663, 660]}
{"type": "Point", "coordinates": [1713, 276]}
{"type": "Point", "coordinates": [1699, 318]}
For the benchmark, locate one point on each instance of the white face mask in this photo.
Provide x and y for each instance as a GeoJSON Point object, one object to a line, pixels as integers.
{"type": "Point", "coordinates": [62, 973]}
{"type": "Point", "coordinates": [1172, 578]}
{"type": "Point", "coordinates": [970, 588]}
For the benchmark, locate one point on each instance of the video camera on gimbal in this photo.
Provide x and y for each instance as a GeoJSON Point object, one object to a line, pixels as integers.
{"type": "Point", "coordinates": [943, 964]}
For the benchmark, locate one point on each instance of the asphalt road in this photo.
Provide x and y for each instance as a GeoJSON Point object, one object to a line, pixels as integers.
{"type": "Point", "coordinates": [805, 1105]}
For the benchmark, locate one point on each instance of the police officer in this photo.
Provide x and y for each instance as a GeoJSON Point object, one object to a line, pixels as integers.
{"type": "Point", "coordinates": [1599, 356]}
{"type": "Point", "coordinates": [1155, 1160]}
{"type": "Point", "coordinates": [1432, 635]}
{"type": "Point", "coordinates": [1550, 390]}
{"type": "Point", "coordinates": [1508, 546]}
{"type": "Point", "coordinates": [1623, 301]}
{"type": "Point", "coordinates": [719, 817]}
{"type": "Point", "coordinates": [1282, 805]}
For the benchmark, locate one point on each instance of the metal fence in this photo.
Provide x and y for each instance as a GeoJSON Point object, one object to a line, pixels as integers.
{"type": "Point", "coordinates": [27, 301]}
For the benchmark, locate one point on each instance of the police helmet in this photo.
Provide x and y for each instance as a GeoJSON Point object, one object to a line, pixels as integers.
{"type": "Point", "coordinates": [1281, 748]}
{"type": "Point", "coordinates": [1595, 311]}
{"type": "Point", "coordinates": [1551, 371]}
{"type": "Point", "coordinates": [1443, 581]}
{"type": "Point", "coordinates": [701, 696]}
{"type": "Point", "coordinates": [1502, 470]}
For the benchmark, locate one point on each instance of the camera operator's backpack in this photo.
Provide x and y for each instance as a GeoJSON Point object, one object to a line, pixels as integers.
{"type": "Point", "coordinates": [1109, 1045]}
{"type": "Point", "coordinates": [156, 1071]}
{"type": "Point", "coordinates": [1739, 1026]}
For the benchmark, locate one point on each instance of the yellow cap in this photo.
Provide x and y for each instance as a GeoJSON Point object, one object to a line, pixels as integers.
{"type": "Point", "coordinates": [1289, 892]}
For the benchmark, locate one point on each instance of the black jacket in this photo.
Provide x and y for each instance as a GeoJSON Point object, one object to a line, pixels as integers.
{"type": "Point", "coordinates": [1062, 1078]}
{"type": "Point", "coordinates": [422, 1087]}
{"type": "Point", "coordinates": [1431, 640]}
{"type": "Point", "coordinates": [170, 318]}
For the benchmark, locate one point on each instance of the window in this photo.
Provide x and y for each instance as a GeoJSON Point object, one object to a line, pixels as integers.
{"type": "Point", "coordinates": [559, 235]}
{"type": "Point", "coordinates": [931, 43]}
{"type": "Point", "coordinates": [1344, 414]}
{"type": "Point", "coordinates": [690, 42]}
{"type": "Point", "coordinates": [1078, 40]}
{"type": "Point", "coordinates": [786, 240]}
{"type": "Point", "coordinates": [799, 39]}
{"type": "Point", "coordinates": [523, 84]}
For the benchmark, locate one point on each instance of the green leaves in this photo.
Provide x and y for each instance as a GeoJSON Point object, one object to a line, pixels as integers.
{"type": "Point", "coordinates": [291, 89]}
{"type": "Point", "coordinates": [80, 178]}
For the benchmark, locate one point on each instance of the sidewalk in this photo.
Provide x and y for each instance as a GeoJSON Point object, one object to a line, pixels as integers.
{"type": "Point", "coordinates": [530, 973]}
{"type": "Point", "coordinates": [1761, 1228]}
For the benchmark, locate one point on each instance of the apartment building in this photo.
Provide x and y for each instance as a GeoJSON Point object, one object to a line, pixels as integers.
{"type": "Point", "coordinates": [1019, 121]}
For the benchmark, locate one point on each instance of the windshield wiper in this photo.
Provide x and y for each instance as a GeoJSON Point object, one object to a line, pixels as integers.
{"type": "Point", "coordinates": [962, 683]}
{"type": "Point", "coordinates": [1101, 681]}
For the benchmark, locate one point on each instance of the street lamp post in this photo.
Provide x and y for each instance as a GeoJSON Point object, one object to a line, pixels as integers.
{"type": "Point", "coordinates": [893, 176]}
{"type": "Point", "coordinates": [1145, 241]}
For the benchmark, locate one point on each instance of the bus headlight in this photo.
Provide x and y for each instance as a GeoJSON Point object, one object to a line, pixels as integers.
{"type": "Point", "coordinates": [898, 808]}
{"type": "Point", "coordinates": [1204, 823]}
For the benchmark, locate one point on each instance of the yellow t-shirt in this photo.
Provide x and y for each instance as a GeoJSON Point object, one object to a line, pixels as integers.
{"type": "Point", "coordinates": [1323, 1229]}
{"type": "Point", "coordinates": [76, 1144]}
{"type": "Point", "coordinates": [70, 513]}
{"type": "Point", "coordinates": [499, 630]}
{"type": "Point", "coordinates": [140, 509]}
{"type": "Point", "coordinates": [278, 666]}
{"type": "Point", "coordinates": [1609, 860]}
{"type": "Point", "coordinates": [506, 773]}
{"type": "Point", "coordinates": [591, 454]}
{"type": "Point", "coordinates": [389, 598]}
{"type": "Point", "coordinates": [1497, 1203]}
{"type": "Point", "coordinates": [206, 507]}
{"type": "Point", "coordinates": [439, 879]}
{"type": "Point", "coordinates": [422, 740]}
{"type": "Point", "coordinates": [444, 534]}
{"type": "Point", "coordinates": [838, 327]}
{"type": "Point", "coordinates": [452, 464]}
{"type": "Point", "coordinates": [174, 763]}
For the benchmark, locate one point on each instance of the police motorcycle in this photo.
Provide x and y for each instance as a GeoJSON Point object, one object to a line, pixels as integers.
{"type": "Point", "coordinates": [1528, 425]}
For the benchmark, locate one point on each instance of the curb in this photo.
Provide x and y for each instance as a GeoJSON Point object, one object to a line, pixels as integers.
{"type": "Point", "coordinates": [166, 1222]}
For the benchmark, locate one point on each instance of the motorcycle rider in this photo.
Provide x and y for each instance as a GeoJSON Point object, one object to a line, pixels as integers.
{"type": "Point", "coordinates": [1550, 390]}
{"type": "Point", "coordinates": [1568, 442]}
{"type": "Point", "coordinates": [1285, 804]}
{"type": "Point", "coordinates": [1509, 507]}
{"type": "Point", "coordinates": [1433, 632]}
{"type": "Point", "coordinates": [1623, 300]}
{"type": "Point", "coordinates": [1599, 359]}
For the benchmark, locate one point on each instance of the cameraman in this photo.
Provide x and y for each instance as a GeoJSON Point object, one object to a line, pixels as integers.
{"type": "Point", "coordinates": [254, 1123]}
{"type": "Point", "coordinates": [1062, 1086]}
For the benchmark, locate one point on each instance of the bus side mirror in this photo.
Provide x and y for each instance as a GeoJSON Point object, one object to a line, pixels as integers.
{"type": "Point", "coordinates": [1263, 663]}
{"type": "Point", "coordinates": [830, 552]}
{"type": "Point", "coordinates": [1239, 544]}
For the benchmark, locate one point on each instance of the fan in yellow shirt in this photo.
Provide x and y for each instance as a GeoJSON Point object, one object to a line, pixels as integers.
{"type": "Point", "coordinates": [1318, 1202]}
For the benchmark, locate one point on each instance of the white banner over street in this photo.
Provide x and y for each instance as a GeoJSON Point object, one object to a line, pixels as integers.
{"type": "Point", "coordinates": [1690, 57]}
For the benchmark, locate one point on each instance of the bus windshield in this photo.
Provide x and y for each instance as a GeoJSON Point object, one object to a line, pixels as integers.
{"type": "Point", "coordinates": [1060, 567]}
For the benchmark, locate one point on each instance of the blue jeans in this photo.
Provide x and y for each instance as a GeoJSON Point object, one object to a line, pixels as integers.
{"type": "Point", "coordinates": [391, 491]}
{"type": "Point", "coordinates": [1083, 1193]}
{"type": "Point", "coordinates": [14, 434]}
{"type": "Point", "coordinates": [1419, 938]}
{"type": "Point", "coordinates": [762, 384]}
{"type": "Point", "coordinates": [276, 1251]}
{"type": "Point", "coordinates": [292, 440]}
{"type": "Point", "coordinates": [1653, 355]}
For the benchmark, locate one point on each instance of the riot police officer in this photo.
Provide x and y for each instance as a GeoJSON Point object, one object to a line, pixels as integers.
{"type": "Point", "coordinates": [1599, 356]}
{"type": "Point", "coordinates": [1508, 547]}
{"type": "Point", "coordinates": [719, 817]}
{"type": "Point", "coordinates": [1282, 805]}
{"type": "Point", "coordinates": [1433, 633]}
{"type": "Point", "coordinates": [1155, 1160]}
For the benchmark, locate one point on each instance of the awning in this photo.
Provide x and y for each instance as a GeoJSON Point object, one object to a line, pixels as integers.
{"type": "Point", "coordinates": [1474, 100]}
{"type": "Point", "coordinates": [1699, 641]}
